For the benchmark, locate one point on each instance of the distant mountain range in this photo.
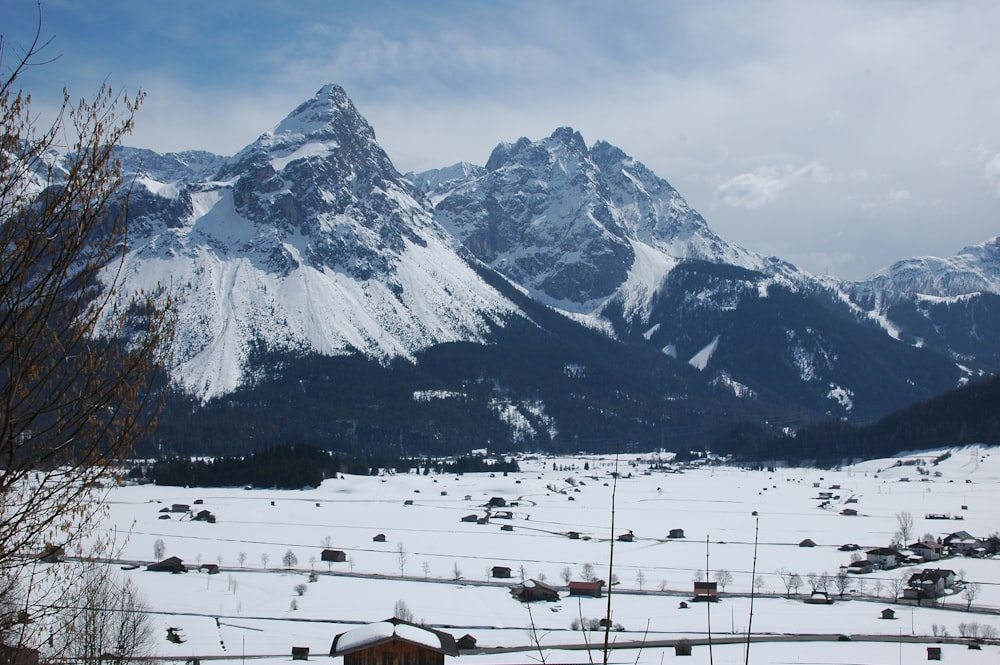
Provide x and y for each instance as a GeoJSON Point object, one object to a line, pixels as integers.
{"type": "Point", "coordinates": [561, 296]}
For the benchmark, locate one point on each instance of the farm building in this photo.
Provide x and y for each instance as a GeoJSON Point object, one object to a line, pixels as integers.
{"type": "Point", "coordinates": [466, 642]}
{"type": "Point", "coordinates": [205, 516]}
{"type": "Point", "coordinates": [888, 613]}
{"type": "Point", "coordinates": [626, 537]}
{"type": "Point", "coordinates": [706, 591]}
{"type": "Point", "coordinates": [592, 589]}
{"type": "Point", "coordinates": [336, 556]}
{"type": "Point", "coordinates": [500, 571]}
{"type": "Point", "coordinates": [392, 642]}
{"type": "Point", "coordinates": [168, 565]}
{"type": "Point", "coordinates": [819, 598]}
{"type": "Point", "coordinates": [471, 518]}
{"type": "Point", "coordinates": [180, 508]}
{"type": "Point", "coordinates": [380, 538]}
{"type": "Point", "coordinates": [531, 590]}
{"type": "Point", "coordinates": [676, 533]}
{"type": "Point", "coordinates": [497, 502]}
{"type": "Point", "coordinates": [808, 542]}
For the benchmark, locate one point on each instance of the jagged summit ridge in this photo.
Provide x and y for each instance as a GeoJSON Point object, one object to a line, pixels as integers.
{"type": "Point", "coordinates": [575, 225]}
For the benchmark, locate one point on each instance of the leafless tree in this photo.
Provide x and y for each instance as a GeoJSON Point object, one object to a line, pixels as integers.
{"type": "Point", "coordinates": [456, 571]}
{"type": "Point", "coordinates": [402, 611]}
{"type": "Point", "coordinates": [969, 593]}
{"type": "Point", "coordinates": [289, 559]}
{"type": "Point", "coordinates": [786, 578]}
{"type": "Point", "coordinates": [401, 557]}
{"type": "Point", "coordinates": [79, 361]}
{"type": "Point", "coordinates": [796, 582]}
{"type": "Point", "coordinates": [587, 572]}
{"type": "Point", "coordinates": [904, 520]}
{"type": "Point", "coordinates": [242, 558]}
{"type": "Point", "coordinates": [427, 569]}
{"type": "Point", "coordinates": [106, 621]}
{"type": "Point", "coordinates": [723, 578]}
{"type": "Point", "coordinates": [567, 574]}
{"type": "Point", "coordinates": [842, 581]}
{"type": "Point", "coordinates": [159, 549]}
{"type": "Point", "coordinates": [264, 558]}
{"type": "Point", "coordinates": [640, 579]}
{"type": "Point", "coordinates": [896, 584]}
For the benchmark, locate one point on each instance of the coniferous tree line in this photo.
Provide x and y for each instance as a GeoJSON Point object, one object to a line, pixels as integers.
{"type": "Point", "coordinates": [970, 414]}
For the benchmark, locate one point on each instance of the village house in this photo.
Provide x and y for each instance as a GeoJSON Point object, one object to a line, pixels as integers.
{"type": "Point", "coordinates": [929, 583]}
{"type": "Point", "coordinates": [393, 641]}
{"type": "Point", "coordinates": [961, 543]}
{"type": "Point", "coordinates": [860, 567]}
{"type": "Point", "coordinates": [883, 558]}
{"type": "Point", "coordinates": [929, 551]}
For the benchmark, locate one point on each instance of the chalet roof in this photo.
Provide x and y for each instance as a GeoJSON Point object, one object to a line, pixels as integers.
{"type": "Point", "coordinates": [389, 630]}
{"type": "Point", "coordinates": [587, 586]}
{"type": "Point", "coordinates": [883, 551]}
{"type": "Point", "coordinates": [931, 575]}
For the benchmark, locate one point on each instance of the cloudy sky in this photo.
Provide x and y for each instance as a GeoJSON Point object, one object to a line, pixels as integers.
{"type": "Point", "coordinates": [841, 136]}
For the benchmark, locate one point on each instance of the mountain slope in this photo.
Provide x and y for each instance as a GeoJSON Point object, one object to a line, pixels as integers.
{"type": "Point", "coordinates": [307, 240]}
{"type": "Point", "coordinates": [597, 234]}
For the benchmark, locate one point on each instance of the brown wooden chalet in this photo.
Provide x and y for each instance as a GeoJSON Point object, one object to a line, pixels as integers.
{"type": "Point", "coordinates": [393, 642]}
{"type": "Point", "coordinates": [530, 590]}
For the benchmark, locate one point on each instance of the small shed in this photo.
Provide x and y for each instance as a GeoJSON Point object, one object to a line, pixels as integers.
{"type": "Point", "coordinates": [676, 533]}
{"type": "Point", "coordinates": [393, 641]}
{"type": "Point", "coordinates": [380, 538]}
{"type": "Point", "coordinates": [888, 613]}
{"type": "Point", "coordinates": [531, 590]}
{"type": "Point", "coordinates": [808, 542]}
{"type": "Point", "coordinates": [180, 508]}
{"type": "Point", "coordinates": [300, 653]}
{"type": "Point", "coordinates": [210, 568]}
{"type": "Point", "coordinates": [933, 653]}
{"type": "Point", "coordinates": [168, 565]}
{"type": "Point", "coordinates": [205, 516]}
{"type": "Point", "coordinates": [502, 572]}
{"type": "Point", "coordinates": [626, 537]}
{"type": "Point", "coordinates": [506, 527]}
{"type": "Point", "coordinates": [336, 556]}
{"type": "Point", "coordinates": [470, 518]}
{"type": "Point", "coordinates": [592, 589]}
{"type": "Point", "coordinates": [466, 642]}
{"type": "Point", "coordinates": [850, 512]}
{"type": "Point", "coordinates": [706, 591]}
{"type": "Point", "coordinates": [682, 647]}
{"type": "Point", "coordinates": [497, 502]}
{"type": "Point", "coordinates": [573, 535]}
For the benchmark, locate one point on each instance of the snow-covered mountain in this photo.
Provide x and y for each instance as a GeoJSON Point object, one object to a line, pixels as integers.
{"type": "Point", "coordinates": [572, 224]}
{"type": "Point", "coordinates": [311, 279]}
{"type": "Point", "coordinates": [308, 240]}
{"type": "Point", "coordinates": [951, 305]}
{"type": "Point", "coordinates": [595, 233]}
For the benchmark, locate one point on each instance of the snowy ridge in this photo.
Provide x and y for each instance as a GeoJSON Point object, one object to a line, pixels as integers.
{"type": "Point", "coordinates": [307, 240]}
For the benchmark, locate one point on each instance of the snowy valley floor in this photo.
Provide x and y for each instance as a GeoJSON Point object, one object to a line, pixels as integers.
{"type": "Point", "coordinates": [251, 608]}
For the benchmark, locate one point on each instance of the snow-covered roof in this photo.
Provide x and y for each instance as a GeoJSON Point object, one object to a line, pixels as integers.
{"type": "Point", "coordinates": [393, 629]}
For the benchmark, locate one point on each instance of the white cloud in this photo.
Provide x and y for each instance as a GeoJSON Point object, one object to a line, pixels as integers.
{"type": "Point", "coordinates": [766, 183]}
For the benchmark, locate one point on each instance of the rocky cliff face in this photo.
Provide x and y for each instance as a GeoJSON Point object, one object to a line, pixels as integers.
{"type": "Point", "coordinates": [307, 239]}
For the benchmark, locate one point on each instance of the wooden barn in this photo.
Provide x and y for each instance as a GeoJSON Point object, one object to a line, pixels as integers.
{"type": "Point", "coordinates": [706, 591]}
{"type": "Point", "coordinates": [500, 571]}
{"type": "Point", "coordinates": [168, 565]}
{"type": "Point", "coordinates": [380, 538]}
{"type": "Point", "coordinates": [531, 590]}
{"type": "Point", "coordinates": [592, 589]}
{"type": "Point", "coordinates": [336, 556]}
{"type": "Point", "coordinates": [676, 533]}
{"type": "Point", "coordinates": [393, 642]}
